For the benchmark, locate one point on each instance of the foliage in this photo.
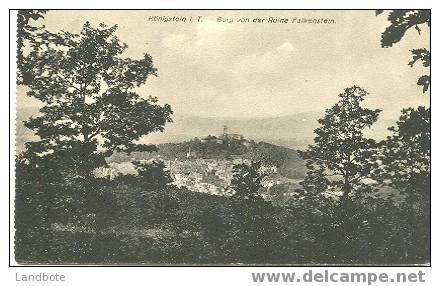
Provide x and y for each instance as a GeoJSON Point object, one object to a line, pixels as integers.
{"type": "Point", "coordinates": [406, 154]}
{"type": "Point", "coordinates": [26, 32]}
{"type": "Point", "coordinates": [90, 107]}
{"type": "Point", "coordinates": [255, 232]}
{"type": "Point", "coordinates": [340, 158]}
{"type": "Point", "coordinates": [406, 165]}
{"type": "Point", "coordinates": [145, 219]}
{"type": "Point", "coordinates": [246, 181]}
{"type": "Point", "coordinates": [400, 22]}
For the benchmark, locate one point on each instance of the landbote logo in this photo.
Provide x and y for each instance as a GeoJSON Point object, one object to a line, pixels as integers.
{"type": "Point", "coordinates": [40, 277]}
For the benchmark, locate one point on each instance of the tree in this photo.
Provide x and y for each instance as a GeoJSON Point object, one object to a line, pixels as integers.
{"type": "Point", "coordinates": [400, 22]}
{"type": "Point", "coordinates": [340, 158]}
{"type": "Point", "coordinates": [91, 109]}
{"type": "Point", "coordinates": [153, 175]}
{"type": "Point", "coordinates": [405, 165]}
{"type": "Point", "coordinates": [246, 181]}
{"type": "Point", "coordinates": [406, 154]}
{"type": "Point", "coordinates": [337, 164]}
{"type": "Point", "coordinates": [25, 32]}
{"type": "Point", "coordinates": [254, 232]}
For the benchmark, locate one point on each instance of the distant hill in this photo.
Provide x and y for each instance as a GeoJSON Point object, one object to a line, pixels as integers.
{"type": "Point", "coordinates": [287, 161]}
{"type": "Point", "coordinates": [291, 131]}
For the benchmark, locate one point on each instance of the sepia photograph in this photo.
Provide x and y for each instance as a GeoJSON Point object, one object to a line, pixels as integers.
{"type": "Point", "coordinates": [222, 138]}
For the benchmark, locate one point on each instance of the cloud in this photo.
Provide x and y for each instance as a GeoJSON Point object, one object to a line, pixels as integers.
{"type": "Point", "coordinates": [286, 48]}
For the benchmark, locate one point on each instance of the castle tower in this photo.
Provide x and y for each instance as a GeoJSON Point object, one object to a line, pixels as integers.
{"type": "Point", "coordinates": [225, 130]}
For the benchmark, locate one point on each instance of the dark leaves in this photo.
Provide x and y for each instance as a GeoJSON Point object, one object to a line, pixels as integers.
{"type": "Point", "coordinates": [87, 88]}
{"type": "Point", "coordinates": [246, 181]}
{"type": "Point", "coordinates": [341, 155]}
{"type": "Point", "coordinates": [425, 82]}
{"type": "Point", "coordinates": [400, 22]}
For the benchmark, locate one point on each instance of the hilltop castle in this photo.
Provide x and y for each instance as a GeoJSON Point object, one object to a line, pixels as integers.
{"type": "Point", "coordinates": [224, 138]}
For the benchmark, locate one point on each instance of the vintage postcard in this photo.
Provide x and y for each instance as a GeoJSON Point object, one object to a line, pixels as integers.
{"type": "Point", "coordinates": [223, 137]}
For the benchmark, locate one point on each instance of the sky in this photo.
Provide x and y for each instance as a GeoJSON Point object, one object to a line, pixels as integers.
{"type": "Point", "coordinates": [222, 69]}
